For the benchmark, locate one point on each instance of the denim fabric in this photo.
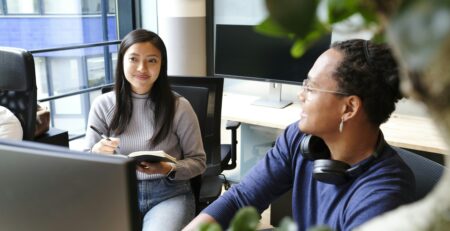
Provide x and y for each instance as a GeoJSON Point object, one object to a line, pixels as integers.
{"type": "Point", "coordinates": [165, 204]}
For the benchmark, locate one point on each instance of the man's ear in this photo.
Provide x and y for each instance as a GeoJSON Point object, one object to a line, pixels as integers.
{"type": "Point", "coordinates": [351, 107]}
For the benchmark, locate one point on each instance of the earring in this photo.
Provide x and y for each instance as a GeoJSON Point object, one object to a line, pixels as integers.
{"type": "Point", "coordinates": [341, 125]}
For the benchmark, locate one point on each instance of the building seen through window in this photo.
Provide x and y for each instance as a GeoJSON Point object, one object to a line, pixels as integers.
{"type": "Point", "coordinates": [41, 24]}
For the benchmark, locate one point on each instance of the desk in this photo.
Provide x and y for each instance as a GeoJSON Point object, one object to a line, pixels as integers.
{"type": "Point", "coordinates": [261, 125]}
{"type": "Point", "coordinates": [410, 132]}
{"type": "Point", "coordinates": [54, 136]}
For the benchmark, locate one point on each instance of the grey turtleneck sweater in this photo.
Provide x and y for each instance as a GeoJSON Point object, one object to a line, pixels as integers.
{"type": "Point", "coordinates": [184, 142]}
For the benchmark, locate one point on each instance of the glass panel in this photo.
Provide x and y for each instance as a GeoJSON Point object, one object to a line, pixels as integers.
{"type": "Point", "coordinates": [112, 6]}
{"type": "Point", "coordinates": [22, 6]}
{"type": "Point", "coordinates": [62, 7]}
{"type": "Point", "coordinates": [114, 65]}
{"type": "Point", "coordinates": [1, 8]}
{"type": "Point", "coordinates": [41, 77]}
{"type": "Point", "coordinates": [61, 29]}
{"type": "Point", "coordinates": [69, 71]}
{"type": "Point", "coordinates": [96, 71]}
{"type": "Point", "coordinates": [92, 6]}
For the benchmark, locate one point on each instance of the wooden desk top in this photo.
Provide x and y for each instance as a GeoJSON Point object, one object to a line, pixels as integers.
{"type": "Point", "coordinates": [412, 132]}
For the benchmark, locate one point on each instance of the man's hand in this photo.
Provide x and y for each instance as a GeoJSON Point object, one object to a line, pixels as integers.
{"type": "Point", "coordinates": [202, 218]}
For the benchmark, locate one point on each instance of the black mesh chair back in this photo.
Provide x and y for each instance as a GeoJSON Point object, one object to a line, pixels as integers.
{"type": "Point", "coordinates": [210, 125]}
{"type": "Point", "coordinates": [426, 171]}
{"type": "Point", "coordinates": [18, 90]}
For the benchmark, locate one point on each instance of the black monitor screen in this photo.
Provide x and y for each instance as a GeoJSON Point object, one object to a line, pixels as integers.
{"type": "Point", "coordinates": [51, 188]}
{"type": "Point", "coordinates": [241, 52]}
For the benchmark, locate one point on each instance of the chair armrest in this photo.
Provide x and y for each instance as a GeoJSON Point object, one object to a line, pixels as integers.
{"type": "Point", "coordinates": [232, 125]}
{"type": "Point", "coordinates": [228, 152]}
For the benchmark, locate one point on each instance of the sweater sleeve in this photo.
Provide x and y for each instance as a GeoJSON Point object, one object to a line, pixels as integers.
{"type": "Point", "coordinates": [268, 179]}
{"type": "Point", "coordinates": [100, 109]}
{"type": "Point", "coordinates": [190, 139]}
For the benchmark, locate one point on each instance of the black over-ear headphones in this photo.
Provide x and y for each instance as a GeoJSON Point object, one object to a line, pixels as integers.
{"type": "Point", "coordinates": [333, 171]}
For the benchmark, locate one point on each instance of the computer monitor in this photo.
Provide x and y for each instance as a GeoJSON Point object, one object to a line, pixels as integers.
{"type": "Point", "coordinates": [243, 53]}
{"type": "Point", "coordinates": [44, 187]}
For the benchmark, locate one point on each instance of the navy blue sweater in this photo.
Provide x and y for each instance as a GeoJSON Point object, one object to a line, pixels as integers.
{"type": "Point", "coordinates": [385, 184]}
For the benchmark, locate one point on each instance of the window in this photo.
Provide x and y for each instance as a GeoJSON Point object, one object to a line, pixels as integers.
{"type": "Point", "coordinates": [22, 6]}
{"type": "Point", "coordinates": [62, 7]}
{"type": "Point", "coordinates": [72, 23]}
{"type": "Point", "coordinates": [111, 6]}
{"type": "Point", "coordinates": [92, 7]}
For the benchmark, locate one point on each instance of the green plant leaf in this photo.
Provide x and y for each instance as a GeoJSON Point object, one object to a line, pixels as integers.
{"type": "Point", "coordinates": [210, 227]}
{"type": "Point", "coordinates": [246, 219]}
{"type": "Point", "coordinates": [296, 16]}
{"type": "Point", "coordinates": [339, 10]}
{"type": "Point", "coordinates": [271, 28]}
{"type": "Point", "coordinates": [287, 224]}
{"type": "Point", "coordinates": [301, 44]}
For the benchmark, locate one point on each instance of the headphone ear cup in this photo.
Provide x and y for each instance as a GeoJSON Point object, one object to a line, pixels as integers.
{"type": "Point", "coordinates": [313, 147]}
{"type": "Point", "coordinates": [330, 171]}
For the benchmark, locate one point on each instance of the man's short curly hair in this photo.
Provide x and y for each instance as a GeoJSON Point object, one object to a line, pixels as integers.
{"type": "Point", "coordinates": [369, 71]}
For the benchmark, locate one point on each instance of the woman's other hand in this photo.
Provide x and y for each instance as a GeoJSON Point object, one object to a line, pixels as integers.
{"type": "Point", "coordinates": [154, 167]}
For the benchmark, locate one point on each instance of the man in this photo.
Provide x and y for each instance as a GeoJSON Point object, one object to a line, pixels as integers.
{"type": "Point", "coordinates": [345, 174]}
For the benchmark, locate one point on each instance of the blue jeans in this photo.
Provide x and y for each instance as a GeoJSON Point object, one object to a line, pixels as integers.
{"type": "Point", "coordinates": [165, 204]}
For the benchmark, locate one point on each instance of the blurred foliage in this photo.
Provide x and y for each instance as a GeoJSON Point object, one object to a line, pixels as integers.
{"type": "Point", "coordinates": [416, 29]}
{"type": "Point", "coordinates": [247, 219]}
{"type": "Point", "coordinates": [301, 20]}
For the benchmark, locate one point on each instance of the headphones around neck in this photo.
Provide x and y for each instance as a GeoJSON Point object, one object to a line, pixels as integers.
{"type": "Point", "coordinates": [333, 171]}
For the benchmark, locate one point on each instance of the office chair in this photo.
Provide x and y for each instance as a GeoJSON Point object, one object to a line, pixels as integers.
{"type": "Point", "coordinates": [219, 157]}
{"type": "Point", "coordinates": [426, 172]}
{"type": "Point", "coordinates": [18, 90]}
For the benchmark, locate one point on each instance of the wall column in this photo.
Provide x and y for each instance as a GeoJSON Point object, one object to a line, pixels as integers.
{"type": "Point", "coordinates": [182, 26]}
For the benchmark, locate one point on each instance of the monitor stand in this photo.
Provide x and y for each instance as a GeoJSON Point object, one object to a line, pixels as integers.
{"type": "Point", "coordinates": [273, 99]}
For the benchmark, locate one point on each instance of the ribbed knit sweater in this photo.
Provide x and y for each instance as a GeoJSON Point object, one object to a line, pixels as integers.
{"type": "Point", "coordinates": [184, 141]}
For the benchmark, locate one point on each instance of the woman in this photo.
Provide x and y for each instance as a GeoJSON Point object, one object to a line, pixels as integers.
{"type": "Point", "coordinates": [351, 89]}
{"type": "Point", "coordinates": [142, 113]}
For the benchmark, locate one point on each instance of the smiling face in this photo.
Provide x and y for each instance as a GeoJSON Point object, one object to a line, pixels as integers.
{"type": "Point", "coordinates": [322, 111]}
{"type": "Point", "coordinates": [141, 65]}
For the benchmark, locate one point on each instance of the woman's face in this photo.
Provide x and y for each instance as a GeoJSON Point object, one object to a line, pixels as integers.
{"type": "Point", "coordinates": [322, 110]}
{"type": "Point", "coordinates": [141, 66]}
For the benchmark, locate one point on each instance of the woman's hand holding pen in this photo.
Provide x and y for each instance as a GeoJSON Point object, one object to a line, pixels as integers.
{"type": "Point", "coordinates": [106, 145]}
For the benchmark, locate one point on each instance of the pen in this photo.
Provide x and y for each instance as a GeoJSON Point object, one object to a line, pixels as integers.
{"type": "Point", "coordinates": [98, 132]}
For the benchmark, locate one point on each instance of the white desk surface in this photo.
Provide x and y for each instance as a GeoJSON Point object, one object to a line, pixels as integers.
{"type": "Point", "coordinates": [412, 132]}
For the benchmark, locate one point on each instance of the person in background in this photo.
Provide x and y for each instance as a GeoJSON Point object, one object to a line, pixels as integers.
{"type": "Point", "coordinates": [353, 175]}
{"type": "Point", "coordinates": [142, 113]}
{"type": "Point", "coordinates": [10, 127]}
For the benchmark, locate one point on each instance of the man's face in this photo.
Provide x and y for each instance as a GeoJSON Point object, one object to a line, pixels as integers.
{"type": "Point", "coordinates": [320, 102]}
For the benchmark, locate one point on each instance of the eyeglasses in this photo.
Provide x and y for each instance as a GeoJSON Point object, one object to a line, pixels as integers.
{"type": "Point", "coordinates": [308, 89]}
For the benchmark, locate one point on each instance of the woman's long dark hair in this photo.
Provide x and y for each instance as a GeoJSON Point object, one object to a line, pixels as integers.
{"type": "Point", "coordinates": [160, 94]}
